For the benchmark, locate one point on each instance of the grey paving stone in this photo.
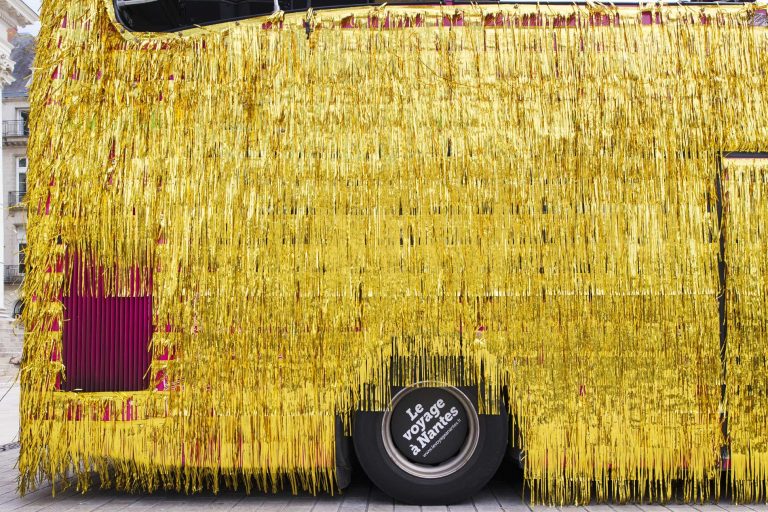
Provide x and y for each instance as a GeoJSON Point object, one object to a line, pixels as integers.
{"type": "Point", "coordinates": [467, 506]}
{"type": "Point", "coordinates": [120, 503]}
{"type": "Point", "coordinates": [379, 502]}
{"type": "Point", "coordinates": [355, 498]}
{"type": "Point", "coordinates": [217, 503]}
{"type": "Point", "coordinates": [55, 502]}
{"type": "Point", "coordinates": [302, 504]}
{"type": "Point", "coordinates": [509, 500]}
{"type": "Point", "coordinates": [485, 501]}
{"type": "Point", "coordinates": [13, 501]}
{"type": "Point", "coordinates": [144, 504]}
{"type": "Point", "coordinates": [325, 504]}
{"type": "Point", "coordinates": [38, 506]}
{"type": "Point", "coordinates": [7, 487]}
{"type": "Point", "coordinates": [252, 503]}
{"type": "Point", "coordinates": [277, 504]}
{"type": "Point", "coordinates": [431, 508]}
{"type": "Point", "coordinates": [598, 508]}
{"type": "Point", "coordinates": [85, 503]}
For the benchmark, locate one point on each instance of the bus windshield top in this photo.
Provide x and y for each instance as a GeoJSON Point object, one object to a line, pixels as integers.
{"type": "Point", "coordinates": [176, 15]}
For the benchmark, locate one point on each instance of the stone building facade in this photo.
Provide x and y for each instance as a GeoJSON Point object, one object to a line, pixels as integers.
{"type": "Point", "coordinates": [16, 54]}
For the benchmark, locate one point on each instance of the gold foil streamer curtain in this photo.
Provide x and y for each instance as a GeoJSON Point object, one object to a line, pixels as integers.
{"type": "Point", "coordinates": [745, 185]}
{"type": "Point", "coordinates": [311, 208]}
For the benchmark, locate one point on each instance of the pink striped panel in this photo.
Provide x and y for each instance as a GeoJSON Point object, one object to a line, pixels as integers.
{"type": "Point", "coordinates": [105, 344]}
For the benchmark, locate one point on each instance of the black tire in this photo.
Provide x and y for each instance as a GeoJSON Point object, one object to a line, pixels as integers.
{"type": "Point", "coordinates": [478, 465]}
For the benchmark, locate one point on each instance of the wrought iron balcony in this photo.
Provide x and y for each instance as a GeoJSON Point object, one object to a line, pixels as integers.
{"type": "Point", "coordinates": [14, 274]}
{"type": "Point", "coordinates": [15, 129]}
{"type": "Point", "coordinates": [16, 198]}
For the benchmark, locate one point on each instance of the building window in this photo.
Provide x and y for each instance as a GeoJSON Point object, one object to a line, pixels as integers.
{"type": "Point", "coordinates": [22, 116]}
{"type": "Point", "coordinates": [21, 178]}
{"type": "Point", "coordinates": [22, 257]}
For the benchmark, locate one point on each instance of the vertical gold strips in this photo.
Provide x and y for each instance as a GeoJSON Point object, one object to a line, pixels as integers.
{"type": "Point", "coordinates": [746, 256]}
{"type": "Point", "coordinates": [320, 213]}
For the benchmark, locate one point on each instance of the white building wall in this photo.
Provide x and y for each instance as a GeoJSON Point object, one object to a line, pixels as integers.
{"type": "Point", "coordinates": [13, 233]}
{"type": "Point", "coordinates": [14, 217]}
{"type": "Point", "coordinates": [13, 15]}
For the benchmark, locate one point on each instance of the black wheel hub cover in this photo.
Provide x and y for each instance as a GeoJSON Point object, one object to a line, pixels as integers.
{"type": "Point", "coordinates": [429, 425]}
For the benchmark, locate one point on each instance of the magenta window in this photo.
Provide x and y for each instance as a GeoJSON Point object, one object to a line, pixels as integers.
{"type": "Point", "coordinates": [105, 340]}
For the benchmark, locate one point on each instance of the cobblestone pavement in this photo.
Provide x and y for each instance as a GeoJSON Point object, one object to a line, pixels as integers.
{"type": "Point", "coordinates": [502, 495]}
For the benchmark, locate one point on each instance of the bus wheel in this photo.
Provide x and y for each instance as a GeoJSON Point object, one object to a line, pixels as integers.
{"type": "Point", "coordinates": [430, 447]}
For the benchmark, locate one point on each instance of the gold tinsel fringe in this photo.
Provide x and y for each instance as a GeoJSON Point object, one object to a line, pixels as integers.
{"type": "Point", "coordinates": [321, 212]}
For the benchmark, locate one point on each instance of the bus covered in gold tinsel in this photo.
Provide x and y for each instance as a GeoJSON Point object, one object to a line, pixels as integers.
{"type": "Point", "coordinates": [268, 237]}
